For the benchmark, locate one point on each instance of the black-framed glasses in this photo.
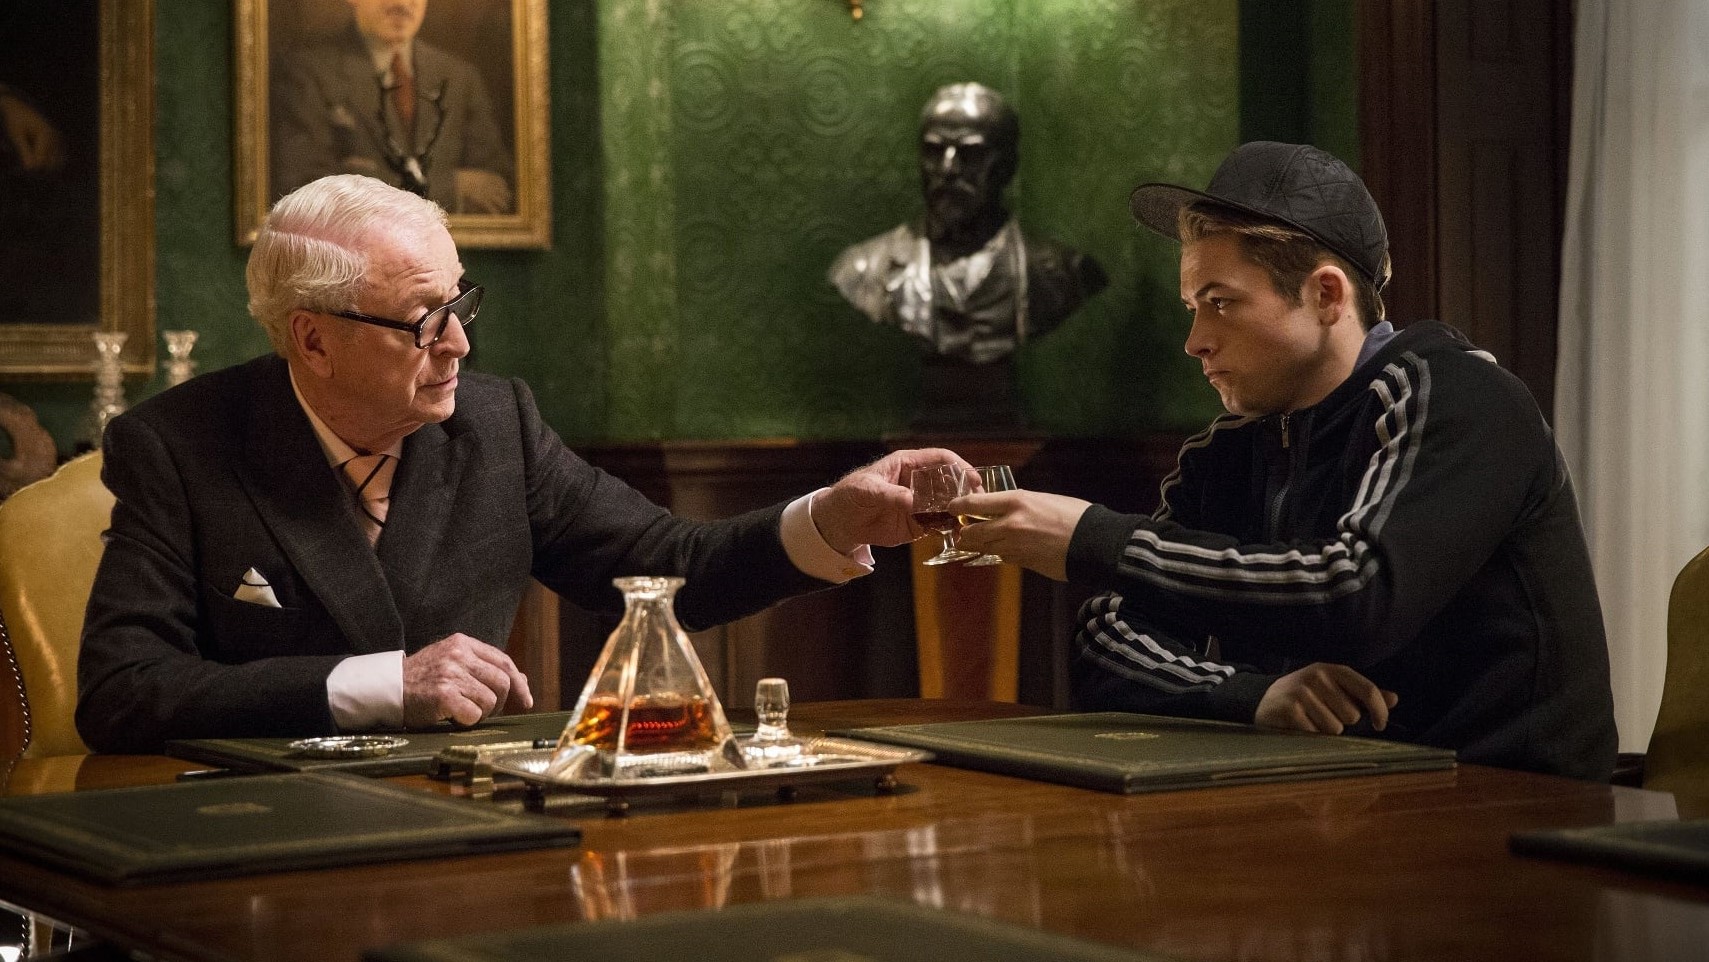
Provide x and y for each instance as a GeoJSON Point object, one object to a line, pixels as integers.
{"type": "Point", "coordinates": [431, 327]}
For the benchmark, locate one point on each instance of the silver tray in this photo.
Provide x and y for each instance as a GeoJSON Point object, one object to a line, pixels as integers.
{"type": "Point", "coordinates": [823, 760]}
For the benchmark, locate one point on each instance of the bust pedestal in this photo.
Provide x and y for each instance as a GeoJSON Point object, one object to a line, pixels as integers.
{"type": "Point", "coordinates": [967, 621]}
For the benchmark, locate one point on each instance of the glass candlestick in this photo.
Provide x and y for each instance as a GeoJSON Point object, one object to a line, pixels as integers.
{"type": "Point", "coordinates": [179, 366]}
{"type": "Point", "coordinates": [109, 400]}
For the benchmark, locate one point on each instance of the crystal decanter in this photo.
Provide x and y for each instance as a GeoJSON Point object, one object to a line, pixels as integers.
{"type": "Point", "coordinates": [648, 709]}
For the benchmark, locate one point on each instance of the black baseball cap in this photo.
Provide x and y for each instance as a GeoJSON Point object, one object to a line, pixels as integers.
{"type": "Point", "coordinates": [1294, 184]}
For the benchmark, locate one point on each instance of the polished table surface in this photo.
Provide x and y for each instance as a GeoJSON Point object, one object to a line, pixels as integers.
{"type": "Point", "coordinates": [1407, 866]}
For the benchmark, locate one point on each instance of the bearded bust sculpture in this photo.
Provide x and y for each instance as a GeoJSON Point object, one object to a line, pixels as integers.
{"type": "Point", "coordinates": [965, 279]}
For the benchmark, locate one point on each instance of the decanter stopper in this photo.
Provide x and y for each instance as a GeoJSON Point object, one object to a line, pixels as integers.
{"type": "Point", "coordinates": [771, 706]}
{"type": "Point", "coordinates": [772, 744]}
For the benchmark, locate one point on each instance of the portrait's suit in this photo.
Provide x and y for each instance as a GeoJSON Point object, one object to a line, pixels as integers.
{"type": "Point", "coordinates": [224, 474]}
{"type": "Point", "coordinates": [326, 118]}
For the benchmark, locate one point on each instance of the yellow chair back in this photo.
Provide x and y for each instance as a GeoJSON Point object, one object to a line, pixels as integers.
{"type": "Point", "coordinates": [50, 544]}
{"type": "Point", "coordinates": [1678, 756]}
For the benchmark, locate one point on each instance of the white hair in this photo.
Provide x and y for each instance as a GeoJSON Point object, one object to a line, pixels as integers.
{"type": "Point", "coordinates": [311, 250]}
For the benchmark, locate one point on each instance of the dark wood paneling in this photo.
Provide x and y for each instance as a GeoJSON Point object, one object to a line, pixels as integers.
{"type": "Point", "coordinates": [1397, 143]}
{"type": "Point", "coordinates": [1464, 118]}
{"type": "Point", "coordinates": [1500, 150]}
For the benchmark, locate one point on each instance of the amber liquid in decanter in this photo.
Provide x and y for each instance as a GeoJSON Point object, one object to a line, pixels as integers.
{"type": "Point", "coordinates": [659, 722]}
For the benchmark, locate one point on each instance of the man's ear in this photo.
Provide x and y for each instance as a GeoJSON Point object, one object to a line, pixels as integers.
{"type": "Point", "coordinates": [309, 337]}
{"type": "Point", "coordinates": [1330, 293]}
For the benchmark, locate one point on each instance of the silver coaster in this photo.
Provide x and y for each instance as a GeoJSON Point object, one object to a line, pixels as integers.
{"type": "Point", "coordinates": [348, 746]}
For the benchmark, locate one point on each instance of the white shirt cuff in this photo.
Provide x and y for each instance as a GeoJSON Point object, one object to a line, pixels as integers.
{"type": "Point", "coordinates": [809, 552]}
{"type": "Point", "coordinates": [367, 691]}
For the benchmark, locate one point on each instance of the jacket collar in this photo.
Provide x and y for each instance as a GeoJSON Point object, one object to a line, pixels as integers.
{"type": "Point", "coordinates": [1417, 337]}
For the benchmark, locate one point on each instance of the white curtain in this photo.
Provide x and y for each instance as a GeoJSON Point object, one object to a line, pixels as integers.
{"type": "Point", "coordinates": [1632, 391]}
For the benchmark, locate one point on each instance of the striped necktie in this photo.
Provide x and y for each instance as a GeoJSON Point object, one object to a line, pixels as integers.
{"type": "Point", "coordinates": [370, 477]}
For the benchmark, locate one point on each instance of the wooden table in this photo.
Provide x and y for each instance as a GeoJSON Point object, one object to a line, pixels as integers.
{"type": "Point", "coordinates": [1411, 866]}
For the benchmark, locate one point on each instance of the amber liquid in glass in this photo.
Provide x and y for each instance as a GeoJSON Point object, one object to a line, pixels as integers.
{"type": "Point", "coordinates": [940, 521]}
{"type": "Point", "coordinates": [665, 722]}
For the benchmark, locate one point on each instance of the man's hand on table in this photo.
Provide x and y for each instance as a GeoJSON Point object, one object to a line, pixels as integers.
{"type": "Point", "coordinates": [1325, 698]}
{"type": "Point", "coordinates": [463, 680]}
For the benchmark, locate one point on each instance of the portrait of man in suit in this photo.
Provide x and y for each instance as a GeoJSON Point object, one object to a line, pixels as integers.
{"type": "Point", "coordinates": [360, 90]}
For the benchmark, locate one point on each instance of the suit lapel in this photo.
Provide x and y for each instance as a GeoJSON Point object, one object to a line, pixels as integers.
{"type": "Point", "coordinates": [303, 503]}
{"type": "Point", "coordinates": [423, 496]}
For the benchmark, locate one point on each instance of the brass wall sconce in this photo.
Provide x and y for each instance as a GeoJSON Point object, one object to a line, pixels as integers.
{"type": "Point", "coordinates": [855, 11]}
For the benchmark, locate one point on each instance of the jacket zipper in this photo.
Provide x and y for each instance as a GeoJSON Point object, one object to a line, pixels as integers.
{"type": "Point", "coordinates": [1287, 481]}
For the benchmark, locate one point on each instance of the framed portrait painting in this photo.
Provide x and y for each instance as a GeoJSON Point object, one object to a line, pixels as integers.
{"type": "Point", "coordinates": [76, 184]}
{"type": "Point", "coordinates": [445, 98]}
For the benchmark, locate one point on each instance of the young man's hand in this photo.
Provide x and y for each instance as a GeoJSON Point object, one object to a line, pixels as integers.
{"type": "Point", "coordinates": [1028, 528]}
{"type": "Point", "coordinates": [1324, 698]}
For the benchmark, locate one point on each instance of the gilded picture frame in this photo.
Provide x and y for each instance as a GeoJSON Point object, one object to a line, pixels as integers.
{"type": "Point", "coordinates": [467, 116]}
{"type": "Point", "coordinates": [111, 268]}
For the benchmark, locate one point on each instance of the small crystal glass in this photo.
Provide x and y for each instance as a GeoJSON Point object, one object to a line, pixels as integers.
{"type": "Point", "coordinates": [934, 487]}
{"type": "Point", "coordinates": [994, 477]}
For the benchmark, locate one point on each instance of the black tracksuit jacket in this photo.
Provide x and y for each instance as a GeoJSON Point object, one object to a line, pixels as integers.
{"type": "Point", "coordinates": [1417, 525]}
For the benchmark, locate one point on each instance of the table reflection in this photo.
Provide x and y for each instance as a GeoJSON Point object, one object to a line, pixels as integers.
{"type": "Point", "coordinates": [1638, 927]}
{"type": "Point", "coordinates": [984, 866]}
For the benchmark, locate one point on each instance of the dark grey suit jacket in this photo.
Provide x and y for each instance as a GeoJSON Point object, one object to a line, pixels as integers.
{"type": "Point", "coordinates": [224, 474]}
{"type": "Point", "coordinates": [325, 118]}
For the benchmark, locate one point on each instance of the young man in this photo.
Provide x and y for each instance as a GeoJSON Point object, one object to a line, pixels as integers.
{"type": "Point", "coordinates": [1380, 531]}
{"type": "Point", "coordinates": [335, 537]}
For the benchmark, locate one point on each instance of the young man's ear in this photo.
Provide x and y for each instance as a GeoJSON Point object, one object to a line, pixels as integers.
{"type": "Point", "coordinates": [1329, 292]}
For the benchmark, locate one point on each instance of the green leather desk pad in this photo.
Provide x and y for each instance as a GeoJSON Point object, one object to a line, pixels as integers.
{"type": "Point", "coordinates": [265, 823]}
{"type": "Point", "coordinates": [275, 754]}
{"type": "Point", "coordinates": [1678, 849]}
{"type": "Point", "coordinates": [1121, 752]}
{"type": "Point", "coordinates": [851, 929]}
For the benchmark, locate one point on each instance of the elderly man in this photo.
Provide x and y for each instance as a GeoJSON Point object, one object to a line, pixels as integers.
{"type": "Point", "coordinates": [377, 100]}
{"type": "Point", "coordinates": [1381, 530]}
{"type": "Point", "coordinates": [335, 538]}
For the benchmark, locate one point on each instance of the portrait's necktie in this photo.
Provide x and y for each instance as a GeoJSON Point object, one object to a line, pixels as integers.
{"type": "Point", "coordinates": [403, 92]}
{"type": "Point", "coordinates": [370, 476]}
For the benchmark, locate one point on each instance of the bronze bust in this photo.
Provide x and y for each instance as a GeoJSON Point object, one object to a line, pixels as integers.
{"type": "Point", "coordinates": [966, 279]}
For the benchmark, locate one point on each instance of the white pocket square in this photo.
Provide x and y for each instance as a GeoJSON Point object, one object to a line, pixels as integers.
{"type": "Point", "coordinates": [255, 590]}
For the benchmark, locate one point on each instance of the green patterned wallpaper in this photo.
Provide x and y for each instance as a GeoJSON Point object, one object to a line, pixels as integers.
{"type": "Point", "coordinates": [710, 157]}
{"type": "Point", "coordinates": [1114, 93]}
{"type": "Point", "coordinates": [751, 141]}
